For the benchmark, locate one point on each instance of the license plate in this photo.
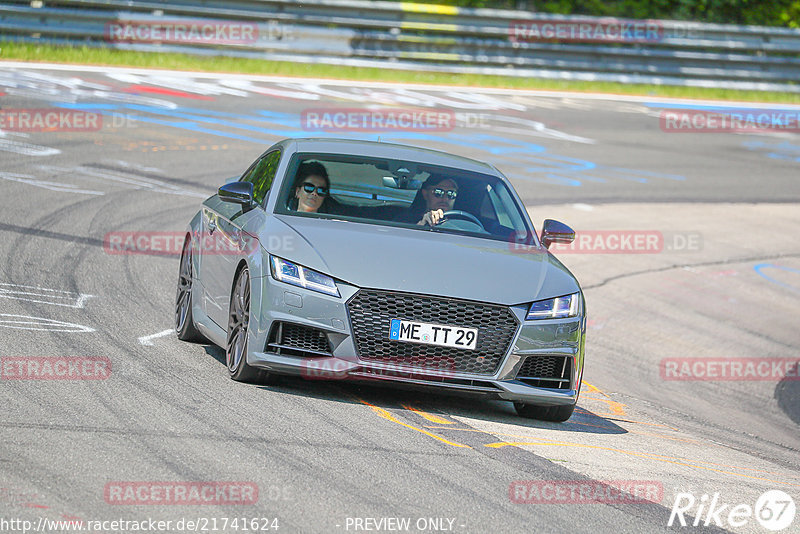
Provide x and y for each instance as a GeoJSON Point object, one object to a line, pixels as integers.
{"type": "Point", "coordinates": [433, 334]}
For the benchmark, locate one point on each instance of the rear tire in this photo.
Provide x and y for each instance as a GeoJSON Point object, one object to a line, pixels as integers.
{"type": "Point", "coordinates": [557, 414]}
{"type": "Point", "coordinates": [238, 325]}
{"type": "Point", "coordinates": [184, 321]}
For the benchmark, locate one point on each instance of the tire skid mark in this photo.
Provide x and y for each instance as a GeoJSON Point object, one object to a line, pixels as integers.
{"type": "Point", "coordinates": [430, 417]}
{"type": "Point", "coordinates": [728, 261]}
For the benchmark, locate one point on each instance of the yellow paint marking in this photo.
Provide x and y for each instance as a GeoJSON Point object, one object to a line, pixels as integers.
{"type": "Point", "coordinates": [428, 26]}
{"type": "Point", "coordinates": [545, 441]}
{"type": "Point", "coordinates": [430, 55]}
{"type": "Point", "coordinates": [617, 408]}
{"type": "Point", "coordinates": [428, 8]}
{"type": "Point", "coordinates": [387, 415]}
{"type": "Point", "coordinates": [592, 388]}
{"type": "Point", "coordinates": [656, 457]}
{"type": "Point", "coordinates": [429, 416]}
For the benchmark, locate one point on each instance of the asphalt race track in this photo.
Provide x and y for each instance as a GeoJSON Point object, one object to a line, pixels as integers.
{"type": "Point", "coordinates": [722, 284]}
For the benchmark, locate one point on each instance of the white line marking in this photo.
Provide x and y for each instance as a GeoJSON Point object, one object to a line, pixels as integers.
{"type": "Point", "coordinates": [583, 207]}
{"type": "Point", "coordinates": [27, 149]}
{"type": "Point", "coordinates": [349, 83]}
{"type": "Point", "coordinates": [145, 340]}
{"type": "Point", "coordinates": [43, 295]}
{"type": "Point", "coordinates": [52, 186]}
{"type": "Point", "coordinates": [40, 324]}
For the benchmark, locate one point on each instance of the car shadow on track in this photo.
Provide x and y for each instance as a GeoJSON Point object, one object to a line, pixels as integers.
{"type": "Point", "coordinates": [443, 404]}
{"type": "Point", "coordinates": [217, 353]}
{"type": "Point", "coordinates": [787, 393]}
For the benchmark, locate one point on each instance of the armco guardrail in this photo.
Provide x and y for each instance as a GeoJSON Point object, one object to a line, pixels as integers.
{"type": "Point", "coordinates": [429, 37]}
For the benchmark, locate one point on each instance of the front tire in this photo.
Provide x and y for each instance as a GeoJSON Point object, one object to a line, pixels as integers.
{"type": "Point", "coordinates": [238, 324]}
{"type": "Point", "coordinates": [184, 321]}
{"type": "Point", "coordinates": [557, 414]}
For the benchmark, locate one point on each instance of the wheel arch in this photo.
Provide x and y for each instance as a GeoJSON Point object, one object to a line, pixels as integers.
{"type": "Point", "coordinates": [239, 267]}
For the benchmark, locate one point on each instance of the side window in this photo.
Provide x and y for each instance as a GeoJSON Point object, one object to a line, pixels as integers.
{"type": "Point", "coordinates": [262, 174]}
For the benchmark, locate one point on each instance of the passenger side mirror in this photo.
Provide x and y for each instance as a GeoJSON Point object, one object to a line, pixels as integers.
{"type": "Point", "coordinates": [556, 232]}
{"type": "Point", "coordinates": [237, 192]}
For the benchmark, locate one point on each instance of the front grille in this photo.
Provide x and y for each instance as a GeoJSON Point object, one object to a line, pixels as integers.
{"type": "Point", "coordinates": [546, 371]}
{"type": "Point", "coordinates": [298, 340]}
{"type": "Point", "coordinates": [371, 312]}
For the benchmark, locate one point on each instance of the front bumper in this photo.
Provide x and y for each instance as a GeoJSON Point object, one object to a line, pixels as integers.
{"type": "Point", "coordinates": [564, 338]}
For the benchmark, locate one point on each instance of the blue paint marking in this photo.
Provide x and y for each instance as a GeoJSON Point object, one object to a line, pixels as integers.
{"type": "Point", "coordinates": [761, 266]}
{"type": "Point", "coordinates": [774, 155]}
{"type": "Point", "coordinates": [394, 332]}
{"type": "Point", "coordinates": [210, 120]}
{"type": "Point", "coordinates": [191, 126]}
{"type": "Point", "coordinates": [521, 159]}
{"type": "Point", "coordinates": [782, 151]}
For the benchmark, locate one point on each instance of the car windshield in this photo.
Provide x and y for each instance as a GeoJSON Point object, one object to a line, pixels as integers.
{"type": "Point", "coordinates": [399, 193]}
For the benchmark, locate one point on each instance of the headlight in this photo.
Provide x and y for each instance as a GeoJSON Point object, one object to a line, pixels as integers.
{"type": "Point", "coordinates": [556, 308]}
{"type": "Point", "coordinates": [297, 275]}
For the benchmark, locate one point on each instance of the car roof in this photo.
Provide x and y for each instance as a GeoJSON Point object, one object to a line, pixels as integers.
{"type": "Point", "coordinates": [391, 151]}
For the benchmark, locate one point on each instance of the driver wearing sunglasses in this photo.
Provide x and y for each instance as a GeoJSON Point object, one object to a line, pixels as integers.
{"type": "Point", "coordinates": [312, 187]}
{"type": "Point", "coordinates": [439, 197]}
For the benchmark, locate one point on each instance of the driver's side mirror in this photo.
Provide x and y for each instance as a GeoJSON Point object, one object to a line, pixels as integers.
{"type": "Point", "coordinates": [556, 232]}
{"type": "Point", "coordinates": [238, 193]}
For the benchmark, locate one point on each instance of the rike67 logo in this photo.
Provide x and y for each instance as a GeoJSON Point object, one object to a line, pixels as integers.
{"type": "Point", "coordinates": [774, 510]}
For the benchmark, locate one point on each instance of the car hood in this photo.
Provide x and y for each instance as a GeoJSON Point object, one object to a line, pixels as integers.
{"type": "Point", "coordinates": [414, 261]}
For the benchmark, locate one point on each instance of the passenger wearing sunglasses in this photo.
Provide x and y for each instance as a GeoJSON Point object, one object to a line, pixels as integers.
{"type": "Point", "coordinates": [436, 196]}
{"type": "Point", "coordinates": [312, 187]}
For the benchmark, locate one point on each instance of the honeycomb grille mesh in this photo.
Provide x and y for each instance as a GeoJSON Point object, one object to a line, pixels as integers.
{"type": "Point", "coordinates": [300, 338]}
{"type": "Point", "coordinates": [547, 369]}
{"type": "Point", "coordinates": [371, 312]}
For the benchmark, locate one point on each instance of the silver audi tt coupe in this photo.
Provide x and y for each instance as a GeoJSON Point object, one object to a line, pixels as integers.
{"type": "Point", "coordinates": [339, 259]}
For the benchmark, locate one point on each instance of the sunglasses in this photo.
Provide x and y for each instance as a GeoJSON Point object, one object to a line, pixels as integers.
{"type": "Point", "coordinates": [439, 193]}
{"type": "Point", "coordinates": [309, 188]}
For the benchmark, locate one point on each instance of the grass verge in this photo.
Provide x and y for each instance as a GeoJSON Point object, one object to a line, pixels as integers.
{"type": "Point", "coordinates": [103, 56]}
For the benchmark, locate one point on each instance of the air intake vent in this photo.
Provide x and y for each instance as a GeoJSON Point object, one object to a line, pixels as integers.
{"type": "Point", "coordinates": [297, 340]}
{"type": "Point", "coordinates": [546, 371]}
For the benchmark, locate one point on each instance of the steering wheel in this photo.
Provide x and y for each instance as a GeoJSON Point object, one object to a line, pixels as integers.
{"type": "Point", "coordinates": [459, 214]}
